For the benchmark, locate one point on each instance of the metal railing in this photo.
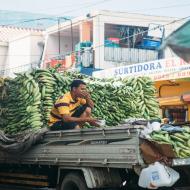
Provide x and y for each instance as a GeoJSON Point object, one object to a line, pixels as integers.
{"type": "Point", "coordinates": [9, 71]}
{"type": "Point", "coordinates": [129, 55]}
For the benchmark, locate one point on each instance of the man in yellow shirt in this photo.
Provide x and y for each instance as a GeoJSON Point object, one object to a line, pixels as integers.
{"type": "Point", "coordinates": [73, 109]}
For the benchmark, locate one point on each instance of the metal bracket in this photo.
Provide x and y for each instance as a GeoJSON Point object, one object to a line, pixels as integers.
{"type": "Point", "coordinates": [79, 161]}
{"type": "Point", "coordinates": [129, 133]}
{"type": "Point", "coordinates": [103, 132]}
{"type": "Point", "coordinates": [105, 161]}
{"type": "Point", "coordinates": [56, 160]}
{"type": "Point", "coordinates": [60, 134]}
{"type": "Point", "coordinates": [36, 160]}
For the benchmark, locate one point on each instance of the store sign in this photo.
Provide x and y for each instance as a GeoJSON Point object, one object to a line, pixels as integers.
{"type": "Point", "coordinates": [163, 69]}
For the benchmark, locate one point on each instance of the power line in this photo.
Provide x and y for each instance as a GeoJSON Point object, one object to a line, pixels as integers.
{"type": "Point", "coordinates": [165, 7]}
{"type": "Point", "coordinates": [93, 4]}
{"type": "Point", "coordinates": [107, 43]}
{"type": "Point", "coordinates": [119, 39]}
{"type": "Point", "coordinates": [128, 21]}
{"type": "Point", "coordinates": [29, 20]}
{"type": "Point", "coordinates": [134, 18]}
{"type": "Point", "coordinates": [145, 31]}
{"type": "Point", "coordinates": [71, 5]}
{"type": "Point", "coordinates": [56, 16]}
{"type": "Point", "coordinates": [102, 45]}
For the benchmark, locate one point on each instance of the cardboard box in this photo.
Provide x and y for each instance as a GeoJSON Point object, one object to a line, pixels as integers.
{"type": "Point", "coordinates": [164, 149]}
{"type": "Point", "coordinates": [153, 151]}
{"type": "Point", "coordinates": [149, 152]}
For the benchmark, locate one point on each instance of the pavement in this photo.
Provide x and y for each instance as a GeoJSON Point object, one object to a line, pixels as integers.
{"type": "Point", "coordinates": [8, 187]}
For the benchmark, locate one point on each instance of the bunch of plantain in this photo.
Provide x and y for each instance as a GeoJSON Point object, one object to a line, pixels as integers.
{"type": "Point", "coordinates": [23, 105]}
{"type": "Point", "coordinates": [122, 99]}
{"type": "Point", "coordinates": [52, 85]}
{"type": "Point", "coordinates": [4, 86]}
{"type": "Point", "coordinates": [31, 96]}
{"type": "Point", "coordinates": [47, 84]}
{"type": "Point", "coordinates": [179, 140]}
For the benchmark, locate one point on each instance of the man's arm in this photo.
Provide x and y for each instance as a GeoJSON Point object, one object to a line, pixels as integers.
{"type": "Point", "coordinates": [68, 118]}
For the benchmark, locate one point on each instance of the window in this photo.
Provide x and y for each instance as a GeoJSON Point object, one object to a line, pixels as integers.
{"type": "Point", "coordinates": [175, 114]}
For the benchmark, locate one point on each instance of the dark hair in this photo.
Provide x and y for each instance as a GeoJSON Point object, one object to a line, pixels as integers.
{"type": "Point", "coordinates": [77, 83]}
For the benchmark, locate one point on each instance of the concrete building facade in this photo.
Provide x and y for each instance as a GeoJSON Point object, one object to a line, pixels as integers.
{"type": "Point", "coordinates": [127, 29]}
{"type": "Point", "coordinates": [20, 49]}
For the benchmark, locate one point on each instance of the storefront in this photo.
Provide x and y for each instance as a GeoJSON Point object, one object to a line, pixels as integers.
{"type": "Point", "coordinates": [174, 99]}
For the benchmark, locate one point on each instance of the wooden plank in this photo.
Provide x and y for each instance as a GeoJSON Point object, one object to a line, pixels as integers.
{"type": "Point", "coordinates": [24, 182]}
{"type": "Point", "coordinates": [23, 175]}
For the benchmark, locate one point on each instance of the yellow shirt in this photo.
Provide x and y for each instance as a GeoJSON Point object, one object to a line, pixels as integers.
{"type": "Point", "coordinates": [64, 105]}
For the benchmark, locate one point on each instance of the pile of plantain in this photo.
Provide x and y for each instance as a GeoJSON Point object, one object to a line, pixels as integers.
{"type": "Point", "coordinates": [180, 141]}
{"type": "Point", "coordinates": [4, 85]}
{"type": "Point", "coordinates": [31, 95]}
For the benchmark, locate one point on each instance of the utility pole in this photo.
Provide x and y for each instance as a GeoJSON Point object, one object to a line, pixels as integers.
{"type": "Point", "coordinates": [59, 37]}
{"type": "Point", "coordinates": [72, 45]}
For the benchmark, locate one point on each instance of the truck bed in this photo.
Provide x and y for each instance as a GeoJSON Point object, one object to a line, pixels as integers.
{"type": "Point", "coordinates": [116, 147]}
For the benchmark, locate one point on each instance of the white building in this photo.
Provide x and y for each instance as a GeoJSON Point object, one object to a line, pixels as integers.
{"type": "Point", "coordinates": [99, 40]}
{"type": "Point", "coordinates": [116, 37]}
{"type": "Point", "coordinates": [20, 49]}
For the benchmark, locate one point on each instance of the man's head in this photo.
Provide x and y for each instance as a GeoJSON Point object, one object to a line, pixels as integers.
{"type": "Point", "coordinates": [78, 87]}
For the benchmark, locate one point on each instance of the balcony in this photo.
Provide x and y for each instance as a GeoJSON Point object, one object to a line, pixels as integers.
{"type": "Point", "coordinates": [127, 56]}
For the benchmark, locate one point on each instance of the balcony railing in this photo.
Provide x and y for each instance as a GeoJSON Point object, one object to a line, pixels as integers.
{"type": "Point", "coordinates": [129, 55]}
{"type": "Point", "coordinates": [9, 71]}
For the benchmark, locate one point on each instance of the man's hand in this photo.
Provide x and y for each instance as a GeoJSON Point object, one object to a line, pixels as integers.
{"type": "Point", "coordinates": [93, 122]}
{"type": "Point", "coordinates": [85, 95]}
{"type": "Point", "coordinates": [88, 99]}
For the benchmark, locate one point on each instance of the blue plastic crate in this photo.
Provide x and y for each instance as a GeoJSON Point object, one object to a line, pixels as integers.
{"type": "Point", "coordinates": [151, 44]}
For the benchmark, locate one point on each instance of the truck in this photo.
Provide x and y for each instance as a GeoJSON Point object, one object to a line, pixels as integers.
{"type": "Point", "coordinates": [94, 158]}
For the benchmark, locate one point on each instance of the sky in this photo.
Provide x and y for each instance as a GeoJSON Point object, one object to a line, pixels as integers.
{"type": "Point", "coordinates": [75, 8]}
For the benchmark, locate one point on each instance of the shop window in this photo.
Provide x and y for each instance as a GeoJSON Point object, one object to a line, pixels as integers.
{"type": "Point", "coordinates": [175, 115]}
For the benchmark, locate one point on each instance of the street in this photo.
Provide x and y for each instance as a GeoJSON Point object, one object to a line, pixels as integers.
{"type": "Point", "coordinates": [7, 187]}
{"type": "Point", "coordinates": [25, 188]}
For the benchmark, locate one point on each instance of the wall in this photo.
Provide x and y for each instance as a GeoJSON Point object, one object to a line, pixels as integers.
{"type": "Point", "coordinates": [166, 91]}
{"type": "Point", "coordinates": [98, 41]}
{"type": "Point", "coordinates": [23, 51]}
{"type": "Point", "coordinates": [85, 31]}
{"type": "Point", "coordinates": [3, 56]}
{"type": "Point", "coordinates": [36, 48]}
{"type": "Point", "coordinates": [52, 48]}
{"type": "Point", "coordinates": [19, 55]}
